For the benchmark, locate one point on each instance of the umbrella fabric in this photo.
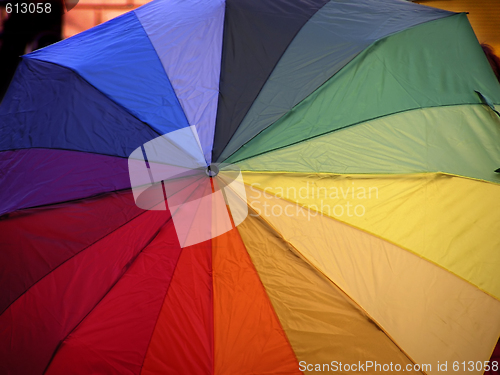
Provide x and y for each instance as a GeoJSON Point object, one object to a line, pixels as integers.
{"type": "Point", "coordinates": [252, 187]}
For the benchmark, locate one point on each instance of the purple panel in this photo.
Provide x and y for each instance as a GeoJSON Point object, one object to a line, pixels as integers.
{"type": "Point", "coordinates": [37, 177]}
{"type": "Point", "coordinates": [187, 36]}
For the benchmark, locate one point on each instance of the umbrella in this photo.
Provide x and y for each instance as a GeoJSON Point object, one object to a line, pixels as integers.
{"type": "Point", "coordinates": [252, 187]}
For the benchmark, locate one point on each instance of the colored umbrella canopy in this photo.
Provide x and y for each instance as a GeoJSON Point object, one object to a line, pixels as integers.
{"type": "Point", "coordinates": [252, 187]}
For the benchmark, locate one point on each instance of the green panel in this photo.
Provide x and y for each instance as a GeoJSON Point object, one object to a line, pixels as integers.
{"type": "Point", "coordinates": [434, 64]}
{"type": "Point", "coordinates": [462, 140]}
{"type": "Point", "coordinates": [326, 43]}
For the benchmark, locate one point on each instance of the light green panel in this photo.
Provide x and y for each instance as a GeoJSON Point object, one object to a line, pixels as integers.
{"type": "Point", "coordinates": [435, 64]}
{"type": "Point", "coordinates": [462, 140]}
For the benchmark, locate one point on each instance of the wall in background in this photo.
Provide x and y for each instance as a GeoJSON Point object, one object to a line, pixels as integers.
{"type": "Point", "coordinates": [89, 13]}
{"type": "Point", "coordinates": [484, 16]}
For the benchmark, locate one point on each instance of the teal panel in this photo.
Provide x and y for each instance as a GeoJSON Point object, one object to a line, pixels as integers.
{"type": "Point", "coordinates": [434, 64]}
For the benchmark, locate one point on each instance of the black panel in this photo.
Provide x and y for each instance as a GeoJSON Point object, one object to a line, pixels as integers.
{"type": "Point", "coordinates": [256, 34]}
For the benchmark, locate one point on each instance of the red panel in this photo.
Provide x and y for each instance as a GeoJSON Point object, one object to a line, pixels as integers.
{"type": "Point", "coordinates": [34, 325]}
{"type": "Point", "coordinates": [182, 342]}
{"type": "Point", "coordinates": [36, 241]}
{"type": "Point", "coordinates": [114, 337]}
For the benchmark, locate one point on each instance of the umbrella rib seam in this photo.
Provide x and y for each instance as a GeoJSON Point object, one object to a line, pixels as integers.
{"type": "Point", "coordinates": [62, 149]}
{"type": "Point", "coordinates": [168, 288]}
{"type": "Point", "coordinates": [93, 196]}
{"type": "Point", "coordinates": [99, 91]}
{"type": "Point", "coordinates": [370, 46]}
{"type": "Point", "coordinates": [105, 294]}
{"type": "Point", "coordinates": [372, 175]}
{"type": "Point", "coordinates": [168, 78]}
{"type": "Point", "coordinates": [67, 260]}
{"type": "Point", "coordinates": [159, 312]}
{"type": "Point", "coordinates": [335, 284]}
{"type": "Point", "coordinates": [344, 127]}
{"type": "Point", "coordinates": [377, 236]}
{"type": "Point", "coordinates": [265, 81]}
{"type": "Point", "coordinates": [267, 295]}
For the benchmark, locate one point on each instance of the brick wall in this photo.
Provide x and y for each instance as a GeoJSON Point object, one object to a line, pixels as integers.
{"type": "Point", "coordinates": [484, 15]}
{"type": "Point", "coordinates": [89, 13]}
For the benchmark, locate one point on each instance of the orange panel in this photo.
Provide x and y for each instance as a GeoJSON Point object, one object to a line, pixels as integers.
{"type": "Point", "coordinates": [248, 336]}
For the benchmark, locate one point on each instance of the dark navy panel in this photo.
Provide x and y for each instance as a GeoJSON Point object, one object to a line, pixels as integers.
{"type": "Point", "coordinates": [256, 34]}
{"type": "Point", "coordinates": [49, 106]}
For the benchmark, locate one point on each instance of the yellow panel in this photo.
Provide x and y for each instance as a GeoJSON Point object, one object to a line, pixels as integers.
{"type": "Point", "coordinates": [452, 221]}
{"type": "Point", "coordinates": [321, 322]}
{"type": "Point", "coordinates": [431, 314]}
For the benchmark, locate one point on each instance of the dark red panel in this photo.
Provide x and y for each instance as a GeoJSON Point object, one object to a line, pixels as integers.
{"type": "Point", "coordinates": [494, 363]}
{"type": "Point", "coordinates": [35, 241]}
{"type": "Point", "coordinates": [36, 323]}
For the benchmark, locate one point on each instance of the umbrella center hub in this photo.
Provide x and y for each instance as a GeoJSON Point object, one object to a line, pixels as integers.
{"type": "Point", "coordinates": [212, 170]}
